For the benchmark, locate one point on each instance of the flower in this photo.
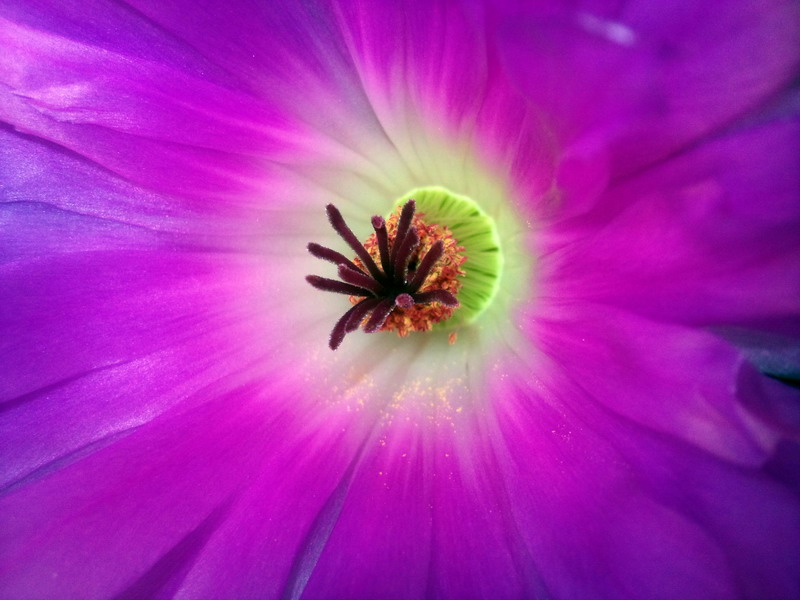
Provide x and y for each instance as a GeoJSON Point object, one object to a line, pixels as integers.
{"type": "Point", "coordinates": [173, 421]}
{"type": "Point", "coordinates": [409, 277]}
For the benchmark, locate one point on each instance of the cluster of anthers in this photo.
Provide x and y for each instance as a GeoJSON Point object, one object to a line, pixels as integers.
{"type": "Point", "coordinates": [395, 286]}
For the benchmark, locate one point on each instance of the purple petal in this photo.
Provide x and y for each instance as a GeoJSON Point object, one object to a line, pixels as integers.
{"type": "Point", "coordinates": [630, 514]}
{"type": "Point", "coordinates": [122, 492]}
{"type": "Point", "coordinates": [172, 127]}
{"type": "Point", "coordinates": [687, 242]}
{"type": "Point", "coordinates": [648, 78]}
{"type": "Point", "coordinates": [668, 378]}
{"type": "Point", "coordinates": [386, 509]}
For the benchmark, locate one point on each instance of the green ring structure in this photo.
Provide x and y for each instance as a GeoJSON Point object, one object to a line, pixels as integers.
{"type": "Point", "coordinates": [476, 232]}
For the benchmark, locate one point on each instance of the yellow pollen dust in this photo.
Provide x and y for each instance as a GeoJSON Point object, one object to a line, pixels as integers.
{"type": "Point", "coordinates": [444, 276]}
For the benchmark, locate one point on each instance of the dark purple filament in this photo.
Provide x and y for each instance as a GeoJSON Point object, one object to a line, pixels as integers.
{"type": "Point", "coordinates": [383, 288]}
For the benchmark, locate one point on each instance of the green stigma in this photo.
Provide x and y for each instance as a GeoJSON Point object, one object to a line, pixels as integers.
{"type": "Point", "coordinates": [475, 231]}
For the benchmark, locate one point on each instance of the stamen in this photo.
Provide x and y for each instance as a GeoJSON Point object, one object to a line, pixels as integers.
{"type": "Point", "coordinates": [441, 296]}
{"type": "Point", "coordinates": [366, 305]}
{"type": "Point", "coordinates": [339, 287]}
{"type": "Point", "coordinates": [404, 301]}
{"type": "Point", "coordinates": [331, 256]}
{"type": "Point", "coordinates": [337, 221]}
{"type": "Point", "coordinates": [379, 225]}
{"type": "Point", "coordinates": [379, 315]}
{"type": "Point", "coordinates": [340, 329]}
{"type": "Point", "coordinates": [360, 279]}
{"type": "Point", "coordinates": [424, 268]}
{"type": "Point", "coordinates": [406, 216]}
{"type": "Point", "coordinates": [404, 254]}
{"type": "Point", "coordinates": [381, 296]}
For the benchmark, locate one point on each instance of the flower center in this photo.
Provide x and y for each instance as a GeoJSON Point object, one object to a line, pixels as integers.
{"type": "Point", "coordinates": [443, 274]}
{"type": "Point", "coordinates": [420, 272]}
{"type": "Point", "coordinates": [476, 233]}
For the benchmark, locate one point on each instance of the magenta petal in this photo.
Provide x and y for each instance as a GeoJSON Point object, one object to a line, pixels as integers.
{"type": "Point", "coordinates": [438, 42]}
{"type": "Point", "coordinates": [116, 28]}
{"type": "Point", "coordinates": [611, 509]}
{"type": "Point", "coordinates": [166, 167]}
{"type": "Point", "coordinates": [148, 339]}
{"type": "Point", "coordinates": [153, 123]}
{"type": "Point", "coordinates": [479, 551]}
{"type": "Point", "coordinates": [648, 77]}
{"type": "Point", "coordinates": [458, 86]}
{"type": "Point", "coordinates": [772, 401]}
{"type": "Point", "coordinates": [300, 484]}
{"type": "Point", "coordinates": [380, 542]}
{"type": "Point", "coordinates": [59, 201]}
{"type": "Point", "coordinates": [689, 242]}
{"type": "Point", "coordinates": [116, 499]}
{"type": "Point", "coordinates": [57, 77]}
{"type": "Point", "coordinates": [138, 493]}
{"type": "Point", "coordinates": [127, 302]}
{"type": "Point", "coordinates": [670, 379]}
{"type": "Point", "coordinates": [37, 174]}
